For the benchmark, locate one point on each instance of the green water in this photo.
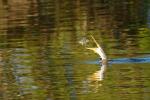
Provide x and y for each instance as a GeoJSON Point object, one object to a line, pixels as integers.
{"type": "Point", "coordinates": [43, 54]}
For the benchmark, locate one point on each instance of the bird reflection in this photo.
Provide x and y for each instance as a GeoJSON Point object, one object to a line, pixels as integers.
{"type": "Point", "coordinates": [99, 75]}
{"type": "Point", "coordinates": [94, 81]}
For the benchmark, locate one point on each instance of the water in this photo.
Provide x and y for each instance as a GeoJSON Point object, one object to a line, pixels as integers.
{"type": "Point", "coordinates": [43, 53]}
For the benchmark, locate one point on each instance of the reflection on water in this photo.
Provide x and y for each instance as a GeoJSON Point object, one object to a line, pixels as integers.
{"type": "Point", "coordinates": [99, 75]}
{"type": "Point", "coordinates": [96, 78]}
{"type": "Point", "coordinates": [41, 57]}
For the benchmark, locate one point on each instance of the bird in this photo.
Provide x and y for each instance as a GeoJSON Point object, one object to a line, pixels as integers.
{"type": "Point", "coordinates": [98, 50]}
{"type": "Point", "coordinates": [99, 75]}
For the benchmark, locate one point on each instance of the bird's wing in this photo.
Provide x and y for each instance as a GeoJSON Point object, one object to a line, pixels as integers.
{"type": "Point", "coordinates": [95, 42]}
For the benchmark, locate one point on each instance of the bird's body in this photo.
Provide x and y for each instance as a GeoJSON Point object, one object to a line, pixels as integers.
{"type": "Point", "coordinates": [98, 50]}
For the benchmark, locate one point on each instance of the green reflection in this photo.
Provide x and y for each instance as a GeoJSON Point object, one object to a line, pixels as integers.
{"type": "Point", "coordinates": [41, 57]}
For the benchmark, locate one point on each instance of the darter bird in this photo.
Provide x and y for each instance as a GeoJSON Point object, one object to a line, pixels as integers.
{"type": "Point", "coordinates": [98, 50]}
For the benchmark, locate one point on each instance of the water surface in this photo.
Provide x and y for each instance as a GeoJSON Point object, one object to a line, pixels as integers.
{"type": "Point", "coordinates": [43, 53]}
